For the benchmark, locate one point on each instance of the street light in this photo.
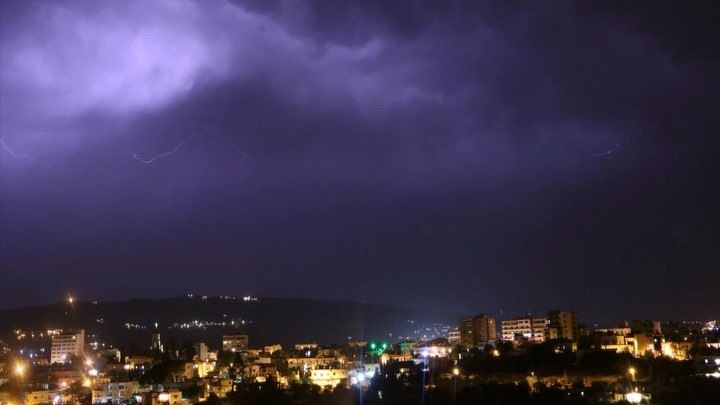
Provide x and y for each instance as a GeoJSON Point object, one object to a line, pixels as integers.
{"type": "Point", "coordinates": [632, 372]}
{"type": "Point", "coordinates": [456, 373]}
{"type": "Point", "coordinates": [20, 369]}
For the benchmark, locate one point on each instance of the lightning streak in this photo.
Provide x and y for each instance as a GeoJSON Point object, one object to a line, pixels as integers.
{"type": "Point", "coordinates": [164, 154]}
{"type": "Point", "coordinates": [13, 153]}
{"type": "Point", "coordinates": [607, 152]}
{"type": "Point", "coordinates": [244, 155]}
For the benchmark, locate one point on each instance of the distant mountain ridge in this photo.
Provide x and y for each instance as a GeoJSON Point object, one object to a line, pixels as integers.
{"type": "Point", "coordinates": [194, 318]}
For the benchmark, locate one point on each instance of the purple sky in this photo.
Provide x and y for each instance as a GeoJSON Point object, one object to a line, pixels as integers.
{"type": "Point", "coordinates": [469, 156]}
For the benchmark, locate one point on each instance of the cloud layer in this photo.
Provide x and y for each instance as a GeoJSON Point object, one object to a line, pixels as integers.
{"type": "Point", "coordinates": [287, 147]}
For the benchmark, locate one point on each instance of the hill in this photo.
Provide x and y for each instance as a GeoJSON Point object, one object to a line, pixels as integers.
{"type": "Point", "coordinates": [193, 318]}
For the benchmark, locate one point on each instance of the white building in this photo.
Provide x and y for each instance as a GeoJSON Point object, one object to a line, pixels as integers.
{"type": "Point", "coordinates": [234, 343]}
{"type": "Point", "coordinates": [115, 392]}
{"type": "Point", "coordinates": [526, 328]}
{"type": "Point", "coordinates": [67, 345]}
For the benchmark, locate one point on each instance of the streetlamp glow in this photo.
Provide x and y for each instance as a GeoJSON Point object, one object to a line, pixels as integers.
{"type": "Point", "coordinates": [632, 372]}
{"type": "Point", "coordinates": [456, 371]}
{"type": "Point", "coordinates": [20, 369]}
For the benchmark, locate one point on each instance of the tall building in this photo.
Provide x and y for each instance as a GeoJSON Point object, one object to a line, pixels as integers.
{"type": "Point", "coordinates": [234, 343]}
{"type": "Point", "coordinates": [156, 342]}
{"type": "Point", "coordinates": [201, 351]}
{"type": "Point", "coordinates": [454, 336]}
{"type": "Point", "coordinates": [562, 325]}
{"type": "Point", "coordinates": [67, 345]}
{"type": "Point", "coordinates": [529, 328]}
{"type": "Point", "coordinates": [477, 331]}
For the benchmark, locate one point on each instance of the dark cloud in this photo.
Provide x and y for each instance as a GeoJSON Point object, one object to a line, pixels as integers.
{"type": "Point", "coordinates": [478, 155]}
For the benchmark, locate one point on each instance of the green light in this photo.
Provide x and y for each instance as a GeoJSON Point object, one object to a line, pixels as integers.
{"type": "Point", "coordinates": [384, 346]}
{"type": "Point", "coordinates": [373, 345]}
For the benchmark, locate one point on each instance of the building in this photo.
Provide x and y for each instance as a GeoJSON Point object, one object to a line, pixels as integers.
{"type": "Point", "coordinates": [66, 346]}
{"type": "Point", "coordinates": [529, 329]}
{"type": "Point", "coordinates": [454, 337]}
{"type": "Point", "coordinates": [40, 397]}
{"type": "Point", "coordinates": [477, 331]}
{"type": "Point", "coordinates": [156, 342]}
{"type": "Point", "coordinates": [328, 378]}
{"type": "Point", "coordinates": [115, 392]}
{"type": "Point", "coordinates": [306, 346]}
{"type": "Point", "coordinates": [272, 348]}
{"type": "Point", "coordinates": [562, 325]}
{"type": "Point", "coordinates": [434, 348]}
{"type": "Point", "coordinates": [201, 351]}
{"type": "Point", "coordinates": [234, 343]}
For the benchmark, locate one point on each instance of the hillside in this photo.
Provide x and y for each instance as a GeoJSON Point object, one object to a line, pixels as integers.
{"type": "Point", "coordinates": [186, 319]}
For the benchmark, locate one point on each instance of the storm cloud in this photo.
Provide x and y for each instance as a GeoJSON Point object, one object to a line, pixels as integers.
{"type": "Point", "coordinates": [475, 156]}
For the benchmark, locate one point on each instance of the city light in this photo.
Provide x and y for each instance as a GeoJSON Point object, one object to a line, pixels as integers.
{"type": "Point", "coordinates": [71, 299]}
{"type": "Point", "coordinates": [632, 372]}
{"type": "Point", "coordinates": [20, 369]}
{"type": "Point", "coordinates": [456, 371]}
{"type": "Point", "coordinates": [633, 397]}
{"type": "Point", "coordinates": [86, 382]}
{"type": "Point", "coordinates": [163, 397]}
{"type": "Point", "coordinates": [496, 353]}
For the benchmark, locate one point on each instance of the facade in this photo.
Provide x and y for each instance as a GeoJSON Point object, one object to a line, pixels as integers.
{"type": "Point", "coordinates": [454, 336]}
{"type": "Point", "coordinates": [65, 346]}
{"type": "Point", "coordinates": [115, 392]}
{"type": "Point", "coordinates": [40, 397]}
{"type": "Point", "coordinates": [531, 329]}
{"type": "Point", "coordinates": [298, 363]}
{"type": "Point", "coordinates": [201, 351]}
{"type": "Point", "coordinates": [477, 331]}
{"type": "Point", "coordinates": [329, 378]}
{"type": "Point", "coordinates": [272, 348]}
{"type": "Point", "coordinates": [156, 342]}
{"type": "Point", "coordinates": [234, 343]}
{"type": "Point", "coordinates": [433, 348]}
{"type": "Point", "coordinates": [563, 325]}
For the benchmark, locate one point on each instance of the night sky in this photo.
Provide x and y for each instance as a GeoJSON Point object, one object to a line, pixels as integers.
{"type": "Point", "coordinates": [464, 156]}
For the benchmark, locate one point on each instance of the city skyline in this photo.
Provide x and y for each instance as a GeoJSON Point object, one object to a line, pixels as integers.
{"type": "Point", "coordinates": [466, 156]}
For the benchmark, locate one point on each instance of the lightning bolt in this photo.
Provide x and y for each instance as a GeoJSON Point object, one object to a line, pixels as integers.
{"type": "Point", "coordinates": [244, 155]}
{"type": "Point", "coordinates": [164, 154]}
{"type": "Point", "coordinates": [13, 153]}
{"type": "Point", "coordinates": [607, 152]}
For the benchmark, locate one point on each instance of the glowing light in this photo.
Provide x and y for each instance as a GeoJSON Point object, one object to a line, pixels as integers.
{"type": "Point", "coordinates": [71, 300]}
{"type": "Point", "coordinates": [456, 371]}
{"type": "Point", "coordinates": [92, 372]}
{"type": "Point", "coordinates": [633, 397]}
{"type": "Point", "coordinates": [86, 382]}
{"type": "Point", "coordinates": [20, 369]}
{"type": "Point", "coordinates": [496, 353]}
{"type": "Point", "coordinates": [164, 397]}
{"type": "Point", "coordinates": [88, 362]}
